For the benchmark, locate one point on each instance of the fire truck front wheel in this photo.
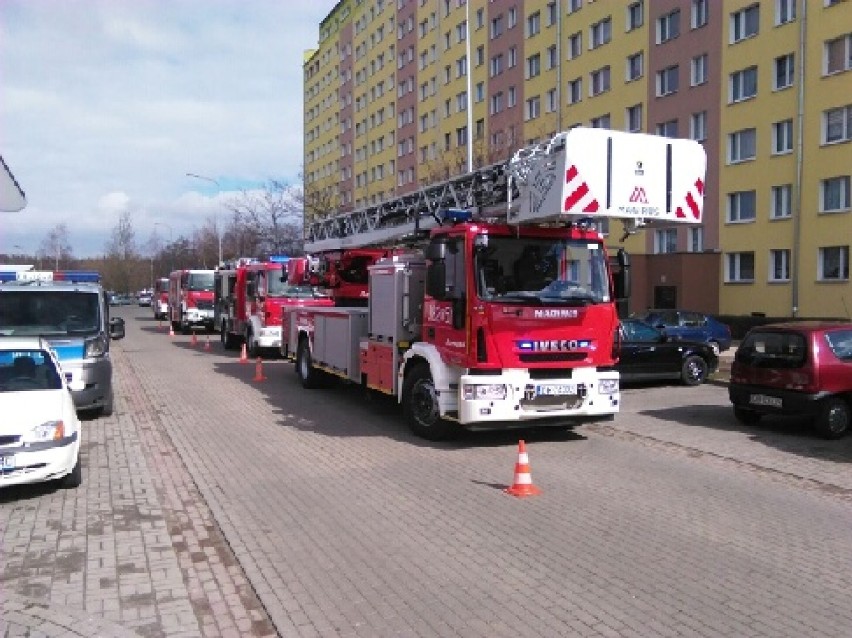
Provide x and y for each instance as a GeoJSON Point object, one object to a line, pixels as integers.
{"type": "Point", "coordinates": [309, 376]}
{"type": "Point", "coordinates": [420, 405]}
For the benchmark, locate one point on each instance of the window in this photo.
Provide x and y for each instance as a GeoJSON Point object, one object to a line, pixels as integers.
{"type": "Point", "coordinates": [575, 46]}
{"type": "Point", "coordinates": [699, 70]}
{"type": "Point", "coordinates": [785, 11]}
{"type": "Point", "coordinates": [480, 91]}
{"type": "Point", "coordinates": [837, 125]}
{"type": "Point", "coordinates": [742, 145]}
{"type": "Point", "coordinates": [480, 55]}
{"type": "Point", "coordinates": [552, 59]}
{"type": "Point", "coordinates": [552, 102]}
{"type": "Point", "coordinates": [779, 204]}
{"type": "Point", "coordinates": [634, 66]}
{"type": "Point", "coordinates": [513, 17]}
{"type": "Point", "coordinates": [838, 54]}
{"type": "Point", "coordinates": [513, 98]}
{"type": "Point", "coordinates": [533, 66]}
{"type": "Point", "coordinates": [698, 126]}
{"type": "Point", "coordinates": [601, 122]}
{"type": "Point", "coordinates": [496, 103]}
{"type": "Point", "coordinates": [782, 137]}
{"type": "Point", "coordinates": [743, 84]}
{"type": "Point", "coordinates": [533, 108]}
{"type": "Point", "coordinates": [574, 5]}
{"type": "Point", "coordinates": [496, 65]}
{"type": "Point", "coordinates": [833, 263]}
{"type": "Point", "coordinates": [496, 27]}
{"type": "Point", "coordinates": [834, 194]}
{"type": "Point", "coordinates": [784, 72]}
{"type": "Point", "coordinates": [667, 81]}
{"type": "Point", "coordinates": [600, 33]}
{"type": "Point", "coordinates": [534, 24]}
{"type": "Point", "coordinates": [599, 81]}
{"type": "Point", "coordinates": [665, 241]}
{"type": "Point", "coordinates": [513, 57]}
{"type": "Point", "coordinates": [575, 91]}
{"type": "Point", "coordinates": [635, 15]}
{"type": "Point", "coordinates": [668, 26]}
{"type": "Point", "coordinates": [461, 136]}
{"type": "Point", "coordinates": [739, 267]}
{"type": "Point", "coordinates": [745, 23]}
{"type": "Point", "coordinates": [779, 265]}
{"type": "Point", "coordinates": [741, 206]}
{"type": "Point", "coordinates": [634, 118]}
{"type": "Point", "coordinates": [552, 13]}
{"type": "Point", "coordinates": [695, 239]}
{"type": "Point", "coordinates": [667, 129]}
{"type": "Point", "coordinates": [698, 16]}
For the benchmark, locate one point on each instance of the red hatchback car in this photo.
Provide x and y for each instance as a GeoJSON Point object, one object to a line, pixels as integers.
{"type": "Point", "coordinates": [797, 368]}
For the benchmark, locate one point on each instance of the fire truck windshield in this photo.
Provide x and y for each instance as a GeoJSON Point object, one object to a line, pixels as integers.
{"type": "Point", "coordinates": [200, 282]}
{"type": "Point", "coordinates": [542, 271]}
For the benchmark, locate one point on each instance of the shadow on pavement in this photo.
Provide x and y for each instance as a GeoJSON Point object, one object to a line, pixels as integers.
{"type": "Point", "coordinates": [793, 435]}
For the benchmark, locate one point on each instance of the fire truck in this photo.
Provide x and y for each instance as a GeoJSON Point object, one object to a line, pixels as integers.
{"type": "Point", "coordinates": [191, 300]}
{"type": "Point", "coordinates": [250, 296]}
{"type": "Point", "coordinates": [160, 299]}
{"type": "Point", "coordinates": [497, 306]}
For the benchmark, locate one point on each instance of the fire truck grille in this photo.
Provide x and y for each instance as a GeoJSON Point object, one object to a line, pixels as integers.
{"type": "Point", "coordinates": [552, 357]}
{"type": "Point", "coordinates": [204, 305]}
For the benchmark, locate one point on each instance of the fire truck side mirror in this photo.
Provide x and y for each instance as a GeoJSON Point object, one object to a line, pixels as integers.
{"type": "Point", "coordinates": [250, 289]}
{"type": "Point", "coordinates": [436, 280]}
{"type": "Point", "coordinates": [621, 278]}
{"type": "Point", "coordinates": [436, 251]}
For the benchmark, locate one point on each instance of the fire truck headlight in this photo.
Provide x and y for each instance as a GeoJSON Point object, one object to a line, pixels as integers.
{"type": "Point", "coordinates": [484, 392]}
{"type": "Point", "coordinates": [607, 386]}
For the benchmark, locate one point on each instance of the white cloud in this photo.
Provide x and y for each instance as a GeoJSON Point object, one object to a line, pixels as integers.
{"type": "Point", "coordinates": [105, 106]}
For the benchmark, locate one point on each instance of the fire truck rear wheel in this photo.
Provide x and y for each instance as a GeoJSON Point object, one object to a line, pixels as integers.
{"type": "Point", "coordinates": [420, 405]}
{"type": "Point", "coordinates": [309, 376]}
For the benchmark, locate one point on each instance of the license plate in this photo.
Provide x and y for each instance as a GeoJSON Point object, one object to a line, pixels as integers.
{"type": "Point", "coordinates": [7, 462]}
{"type": "Point", "coordinates": [762, 399]}
{"type": "Point", "coordinates": [555, 389]}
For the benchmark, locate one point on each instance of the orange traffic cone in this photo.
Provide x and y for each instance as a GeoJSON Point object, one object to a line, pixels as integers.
{"type": "Point", "coordinates": [258, 371]}
{"type": "Point", "coordinates": [522, 485]}
{"type": "Point", "coordinates": [194, 341]}
{"type": "Point", "coordinates": [244, 355]}
{"type": "Point", "coordinates": [171, 330]}
{"type": "Point", "coordinates": [207, 343]}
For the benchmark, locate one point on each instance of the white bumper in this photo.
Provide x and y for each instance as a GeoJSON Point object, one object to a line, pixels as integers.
{"type": "Point", "coordinates": [196, 315]}
{"type": "Point", "coordinates": [269, 337]}
{"type": "Point", "coordinates": [20, 467]}
{"type": "Point", "coordinates": [588, 393]}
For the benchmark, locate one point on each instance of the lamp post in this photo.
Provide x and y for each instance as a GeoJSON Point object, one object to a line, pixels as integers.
{"type": "Point", "coordinates": [218, 231]}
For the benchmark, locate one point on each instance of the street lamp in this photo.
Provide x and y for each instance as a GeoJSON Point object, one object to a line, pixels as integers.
{"type": "Point", "coordinates": [218, 231]}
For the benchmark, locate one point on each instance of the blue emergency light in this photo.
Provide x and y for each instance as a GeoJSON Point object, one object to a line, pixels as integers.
{"type": "Point", "coordinates": [456, 215]}
{"type": "Point", "coordinates": [65, 276]}
{"type": "Point", "coordinates": [279, 259]}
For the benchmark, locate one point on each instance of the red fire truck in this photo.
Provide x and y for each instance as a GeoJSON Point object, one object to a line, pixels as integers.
{"type": "Point", "coordinates": [191, 300]}
{"type": "Point", "coordinates": [503, 310]}
{"type": "Point", "coordinates": [250, 296]}
{"type": "Point", "coordinates": [160, 298]}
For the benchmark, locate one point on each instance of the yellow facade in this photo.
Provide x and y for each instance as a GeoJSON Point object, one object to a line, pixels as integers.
{"type": "Point", "coordinates": [788, 284]}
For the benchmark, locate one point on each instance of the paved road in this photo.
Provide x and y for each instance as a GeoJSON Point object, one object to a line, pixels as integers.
{"type": "Point", "coordinates": [217, 505]}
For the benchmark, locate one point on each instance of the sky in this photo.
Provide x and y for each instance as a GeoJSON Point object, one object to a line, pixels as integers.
{"type": "Point", "coordinates": [106, 105]}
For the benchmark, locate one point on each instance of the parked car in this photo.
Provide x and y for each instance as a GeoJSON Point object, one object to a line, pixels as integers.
{"type": "Point", "coordinates": [144, 300]}
{"type": "Point", "coordinates": [648, 354]}
{"type": "Point", "coordinates": [689, 326]}
{"type": "Point", "coordinates": [40, 430]}
{"type": "Point", "coordinates": [797, 368]}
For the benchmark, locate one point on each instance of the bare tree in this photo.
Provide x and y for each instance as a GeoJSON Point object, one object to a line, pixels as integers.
{"type": "Point", "coordinates": [268, 220]}
{"type": "Point", "coordinates": [56, 246]}
{"type": "Point", "coordinates": [122, 257]}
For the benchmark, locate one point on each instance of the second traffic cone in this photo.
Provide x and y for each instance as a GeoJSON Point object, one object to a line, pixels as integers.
{"type": "Point", "coordinates": [171, 330]}
{"type": "Point", "coordinates": [194, 341]}
{"type": "Point", "coordinates": [258, 371]}
{"type": "Point", "coordinates": [207, 343]}
{"type": "Point", "coordinates": [522, 485]}
{"type": "Point", "coordinates": [244, 355]}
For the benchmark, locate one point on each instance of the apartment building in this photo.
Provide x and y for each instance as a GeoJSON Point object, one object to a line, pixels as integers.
{"type": "Point", "coordinates": [404, 93]}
